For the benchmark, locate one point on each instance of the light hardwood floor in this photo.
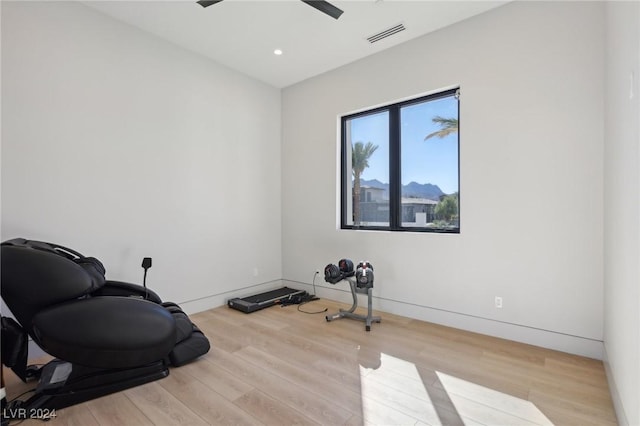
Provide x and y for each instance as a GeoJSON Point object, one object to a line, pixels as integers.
{"type": "Point", "coordinates": [279, 366]}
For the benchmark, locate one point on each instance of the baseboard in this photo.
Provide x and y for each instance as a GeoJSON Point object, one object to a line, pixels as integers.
{"type": "Point", "coordinates": [613, 390]}
{"type": "Point", "coordinates": [520, 333]}
{"type": "Point", "coordinates": [548, 339]}
{"type": "Point", "coordinates": [220, 299]}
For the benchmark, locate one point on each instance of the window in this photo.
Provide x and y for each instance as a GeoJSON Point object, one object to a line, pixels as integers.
{"type": "Point", "coordinates": [400, 166]}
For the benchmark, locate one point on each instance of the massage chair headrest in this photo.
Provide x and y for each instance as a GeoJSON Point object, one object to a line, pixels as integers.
{"type": "Point", "coordinates": [36, 274]}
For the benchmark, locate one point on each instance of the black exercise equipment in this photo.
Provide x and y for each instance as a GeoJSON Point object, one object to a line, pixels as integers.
{"type": "Point", "coordinates": [346, 267]}
{"type": "Point", "coordinates": [332, 274]}
{"type": "Point", "coordinates": [360, 282]}
{"type": "Point", "coordinates": [335, 273]}
{"type": "Point", "coordinates": [364, 275]}
{"type": "Point", "coordinates": [284, 296]}
{"type": "Point", "coordinates": [106, 335]}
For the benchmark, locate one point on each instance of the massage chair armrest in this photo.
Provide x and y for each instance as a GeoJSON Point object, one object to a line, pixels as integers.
{"type": "Point", "coordinates": [120, 288]}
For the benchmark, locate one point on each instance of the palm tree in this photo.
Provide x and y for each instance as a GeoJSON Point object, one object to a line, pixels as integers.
{"type": "Point", "coordinates": [448, 206]}
{"type": "Point", "coordinates": [448, 126]}
{"type": "Point", "coordinates": [360, 155]}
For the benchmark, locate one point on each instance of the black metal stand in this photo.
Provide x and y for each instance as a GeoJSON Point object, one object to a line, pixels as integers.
{"type": "Point", "coordinates": [368, 319]}
{"type": "Point", "coordinates": [63, 384]}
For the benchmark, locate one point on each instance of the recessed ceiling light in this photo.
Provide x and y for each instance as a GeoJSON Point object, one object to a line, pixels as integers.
{"type": "Point", "coordinates": [277, 52]}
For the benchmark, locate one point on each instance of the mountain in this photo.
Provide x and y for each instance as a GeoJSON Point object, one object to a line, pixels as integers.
{"type": "Point", "coordinates": [422, 190]}
{"type": "Point", "coordinates": [413, 189]}
{"type": "Point", "coordinates": [375, 183]}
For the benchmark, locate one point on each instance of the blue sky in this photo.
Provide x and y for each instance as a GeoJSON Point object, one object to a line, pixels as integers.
{"type": "Point", "coordinates": [432, 161]}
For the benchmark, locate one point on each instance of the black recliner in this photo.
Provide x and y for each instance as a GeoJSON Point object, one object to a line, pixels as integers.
{"type": "Point", "coordinates": [106, 336]}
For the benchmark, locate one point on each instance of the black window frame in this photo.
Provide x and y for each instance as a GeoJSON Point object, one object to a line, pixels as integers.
{"type": "Point", "coordinates": [395, 166]}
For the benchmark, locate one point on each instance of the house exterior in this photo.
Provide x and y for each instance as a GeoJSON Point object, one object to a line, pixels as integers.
{"type": "Point", "coordinates": [374, 207]}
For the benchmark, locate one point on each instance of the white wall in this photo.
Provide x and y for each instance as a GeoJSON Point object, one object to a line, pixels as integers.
{"type": "Point", "coordinates": [622, 209]}
{"type": "Point", "coordinates": [123, 146]}
{"type": "Point", "coordinates": [120, 145]}
{"type": "Point", "coordinates": [531, 77]}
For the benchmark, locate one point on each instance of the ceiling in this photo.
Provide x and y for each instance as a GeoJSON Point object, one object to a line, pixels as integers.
{"type": "Point", "coordinates": [243, 34]}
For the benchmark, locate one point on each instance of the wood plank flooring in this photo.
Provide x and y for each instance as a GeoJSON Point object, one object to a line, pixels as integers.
{"type": "Point", "coordinates": [279, 366]}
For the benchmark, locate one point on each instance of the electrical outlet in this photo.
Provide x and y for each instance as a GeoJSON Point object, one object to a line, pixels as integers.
{"type": "Point", "coordinates": [498, 302]}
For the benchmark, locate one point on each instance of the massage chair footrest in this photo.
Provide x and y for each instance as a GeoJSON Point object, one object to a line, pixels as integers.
{"type": "Point", "coordinates": [190, 341]}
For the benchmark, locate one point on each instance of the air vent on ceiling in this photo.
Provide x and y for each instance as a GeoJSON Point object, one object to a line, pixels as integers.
{"type": "Point", "coordinates": [386, 33]}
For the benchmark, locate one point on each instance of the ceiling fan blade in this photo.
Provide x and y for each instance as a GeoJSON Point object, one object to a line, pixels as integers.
{"type": "Point", "coordinates": [324, 7]}
{"type": "Point", "coordinates": [207, 3]}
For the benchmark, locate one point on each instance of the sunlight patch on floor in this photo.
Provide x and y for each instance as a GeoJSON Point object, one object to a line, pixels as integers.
{"type": "Point", "coordinates": [393, 392]}
{"type": "Point", "coordinates": [488, 406]}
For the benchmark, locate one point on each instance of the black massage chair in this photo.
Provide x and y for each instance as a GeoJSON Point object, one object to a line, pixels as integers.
{"type": "Point", "coordinates": [106, 336]}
